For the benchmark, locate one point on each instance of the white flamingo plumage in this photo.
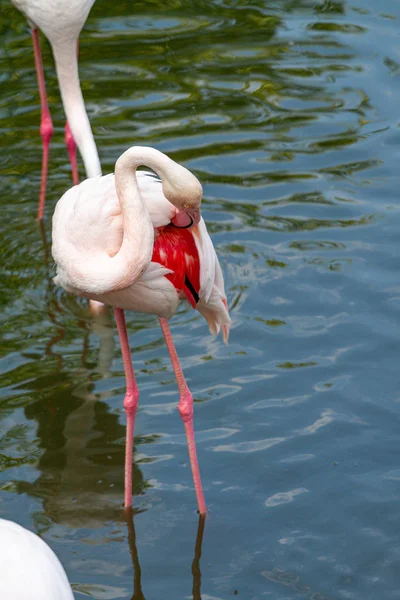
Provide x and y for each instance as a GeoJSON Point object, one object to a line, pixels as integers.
{"type": "Point", "coordinates": [28, 567]}
{"type": "Point", "coordinates": [138, 242]}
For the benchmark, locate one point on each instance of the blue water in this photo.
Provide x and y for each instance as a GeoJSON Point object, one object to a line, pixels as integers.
{"type": "Point", "coordinates": [288, 112]}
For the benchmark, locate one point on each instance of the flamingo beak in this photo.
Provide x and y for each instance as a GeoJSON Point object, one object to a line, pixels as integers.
{"type": "Point", "coordinates": [186, 218]}
{"type": "Point", "coordinates": [195, 215]}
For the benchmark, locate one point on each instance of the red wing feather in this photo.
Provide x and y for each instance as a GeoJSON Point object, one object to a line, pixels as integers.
{"type": "Point", "coordinates": [175, 249]}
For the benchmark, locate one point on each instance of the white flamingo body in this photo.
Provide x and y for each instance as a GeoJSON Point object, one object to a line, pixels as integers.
{"type": "Point", "coordinates": [59, 20]}
{"type": "Point", "coordinates": [88, 220]}
{"type": "Point", "coordinates": [29, 569]}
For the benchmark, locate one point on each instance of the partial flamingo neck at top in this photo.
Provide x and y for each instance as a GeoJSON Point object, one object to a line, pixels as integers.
{"type": "Point", "coordinates": [65, 56]}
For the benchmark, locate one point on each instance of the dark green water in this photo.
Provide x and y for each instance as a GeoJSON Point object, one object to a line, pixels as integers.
{"type": "Point", "coordinates": [288, 112]}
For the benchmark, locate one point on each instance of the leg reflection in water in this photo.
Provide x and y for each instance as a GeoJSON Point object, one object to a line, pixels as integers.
{"type": "Point", "coordinates": [81, 460]}
{"type": "Point", "coordinates": [137, 572]}
{"type": "Point", "coordinates": [196, 561]}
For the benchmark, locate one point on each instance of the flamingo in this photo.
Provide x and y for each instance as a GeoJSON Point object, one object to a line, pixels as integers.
{"type": "Point", "coordinates": [28, 567]}
{"type": "Point", "coordinates": [61, 22]}
{"type": "Point", "coordinates": [135, 240]}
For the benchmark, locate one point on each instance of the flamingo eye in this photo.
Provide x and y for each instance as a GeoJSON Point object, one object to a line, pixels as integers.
{"type": "Point", "coordinates": [186, 205]}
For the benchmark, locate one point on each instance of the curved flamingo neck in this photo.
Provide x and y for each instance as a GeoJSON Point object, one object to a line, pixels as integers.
{"type": "Point", "coordinates": [179, 185]}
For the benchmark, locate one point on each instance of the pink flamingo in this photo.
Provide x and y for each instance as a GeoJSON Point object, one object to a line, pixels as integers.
{"type": "Point", "coordinates": [61, 22]}
{"type": "Point", "coordinates": [136, 241]}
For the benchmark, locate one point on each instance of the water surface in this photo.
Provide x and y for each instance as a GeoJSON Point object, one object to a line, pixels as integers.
{"type": "Point", "coordinates": [288, 113]}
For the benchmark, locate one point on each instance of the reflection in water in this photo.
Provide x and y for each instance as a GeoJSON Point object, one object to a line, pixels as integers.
{"type": "Point", "coordinates": [196, 561]}
{"type": "Point", "coordinates": [82, 466]}
{"type": "Point", "coordinates": [137, 573]}
{"type": "Point", "coordinates": [293, 582]}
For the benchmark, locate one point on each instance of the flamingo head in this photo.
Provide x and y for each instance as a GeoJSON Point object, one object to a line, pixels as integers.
{"type": "Point", "coordinates": [184, 191]}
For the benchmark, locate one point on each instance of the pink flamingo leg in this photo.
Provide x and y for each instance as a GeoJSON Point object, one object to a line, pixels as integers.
{"type": "Point", "coordinates": [131, 401]}
{"type": "Point", "coordinates": [71, 147]}
{"type": "Point", "coordinates": [46, 125]}
{"type": "Point", "coordinates": [185, 408]}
